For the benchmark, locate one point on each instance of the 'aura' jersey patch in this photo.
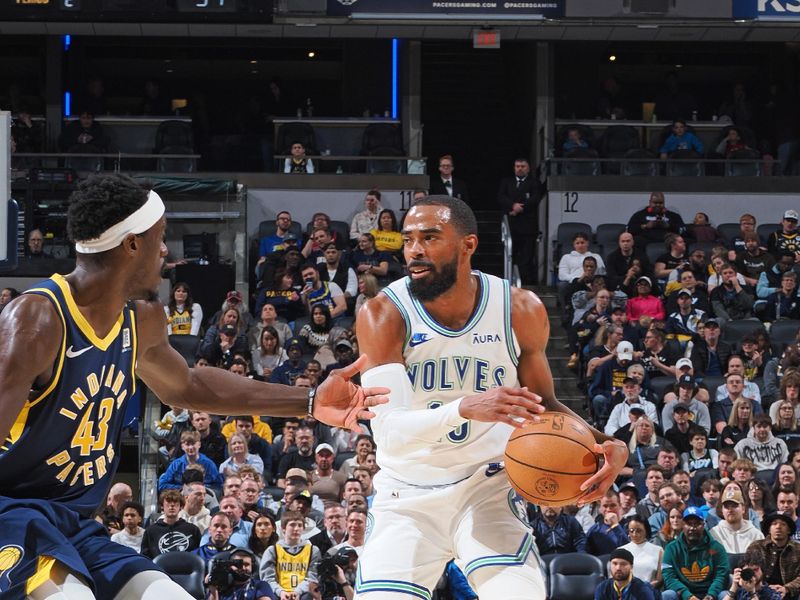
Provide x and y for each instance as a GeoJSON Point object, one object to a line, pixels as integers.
{"type": "Point", "coordinates": [64, 444]}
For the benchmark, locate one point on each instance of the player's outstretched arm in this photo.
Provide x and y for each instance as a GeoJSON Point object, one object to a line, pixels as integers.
{"type": "Point", "coordinates": [338, 402]}
{"type": "Point", "coordinates": [32, 337]}
{"type": "Point", "coordinates": [532, 328]}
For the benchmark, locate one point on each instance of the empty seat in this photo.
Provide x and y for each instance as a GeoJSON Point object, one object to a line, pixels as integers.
{"type": "Point", "coordinates": [381, 136]}
{"type": "Point", "coordinates": [174, 134]}
{"type": "Point", "coordinates": [578, 162]}
{"type": "Point", "coordinates": [641, 163]}
{"type": "Point", "coordinates": [607, 235]}
{"type": "Point", "coordinates": [765, 230]}
{"type": "Point", "coordinates": [734, 331]}
{"type": "Point", "coordinates": [728, 231]}
{"type": "Point", "coordinates": [185, 569]}
{"type": "Point", "coordinates": [653, 251]}
{"type": "Point", "coordinates": [784, 332]}
{"type": "Point", "coordinates": [684, 163]}
{"type": "Point", "coordinates": [618, 140]}
{"type": "Point", "coordinates": [743, 163]}
{"type": "Point", "coordinates": [383, 165]}
{"type": "Point", "coordinates": [186, 345]}
{"type": "Point", "coordinates": [575, 576]}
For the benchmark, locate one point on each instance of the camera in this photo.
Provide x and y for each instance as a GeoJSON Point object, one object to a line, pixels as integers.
{"type": "Point", "coordinates": [221, 574]}
{"type": "Point", "coordinates": [747, 574]}
{"type": "Point", "coordinates": [327, 566]}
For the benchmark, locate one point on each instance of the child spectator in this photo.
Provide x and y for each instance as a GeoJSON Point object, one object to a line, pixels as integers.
{"type": "Point", "coordinates": [700, 458]}
{"type": "Point", "coordinates": [299, 162]}
{"type": "Point", "coordinates": [290, 565]}
{"type": "Point", "coordinates": [132, 534]}
{"type": "Point", "coordinates": [680, 139]}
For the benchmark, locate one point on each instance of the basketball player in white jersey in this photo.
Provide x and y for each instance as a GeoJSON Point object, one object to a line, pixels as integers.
{"type": "Point", "coordinates": [463, 355]}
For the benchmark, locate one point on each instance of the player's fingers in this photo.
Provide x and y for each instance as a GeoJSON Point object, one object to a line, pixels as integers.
{"type": "Point", "coordinates": [525, 403]}
{"type": "Point", "coordinates": [521, 391]}
{"type": "Point", "coordinates": [353, 368]}
{"type": "Point", "coordinates": [375, 395]}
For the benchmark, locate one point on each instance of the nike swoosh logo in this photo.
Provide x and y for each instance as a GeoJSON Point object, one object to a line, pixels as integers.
{"type": "Point", "coordinates": [416, 341]}
{"type": "Point", "coordinates": [75, 353]}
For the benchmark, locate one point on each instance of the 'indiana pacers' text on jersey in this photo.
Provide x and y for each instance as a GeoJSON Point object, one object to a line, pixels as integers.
{"type": "Point", "coordinates": [64, 444]}
{"type": "Point", "coordinates": [445, 364]}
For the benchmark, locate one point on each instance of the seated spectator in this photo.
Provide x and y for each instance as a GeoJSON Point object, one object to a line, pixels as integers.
{"type": "Point", "coordinates": [299, 162]}
{"type": "Point", "coordinates": [315, 291]}
{"type": "Point", "coordinates": [387, 234]}
{"type": "Point", "coordinates": [701, 230]}
{"type": "Point", "coordinates": [190, 445]}
{"type": "Point", "coordinates": [25, 133]}
{"type": "Point", "coordinates": [334, 531]}
{"type": "Point", "coordinates": [275, 242]}
{"type": "Point", "coordinates": [581, 333]}
{"type": "Point", "coordinates": [608, 381]}
{"type": "Point", "coordinates": [111, 515]}
{"type": "Point", "coordinates": [366, 220]}
{"type": "Point", "coordinates": [647, 555]}
{"type": "Point", "coordinates": [184, 316]}
{"type": "Point", "coordinates": [326, 482]}
{"type": "Point", "coordinates": [631, 391]}
{"type": "Point", "coordinates": [753, 260]}
{"type": "Point", "coordinates": [316, 335]}
{"type": "Point", "coordinates": [683, 480]}
{"type": "Point", "coordinates": [752, 584]}
{"type": "Point", "coordinates": [682, 324]}
{"type": "Point", "coordinates": [368, 287]}
{"type": "Point", "coordinates": [625, 264]}
{"type": "Point", "coordinates": [217, 536]}
{"type": "Point", "coordinates": [644, 303]}
{"type": "Point", "coordinates": [582, 289]}
{"type": "Point", "coordinates": [769, 281]}
{"type": "Point", "coordinates": [710, 355]}
{"type": "Point", "coordinates": [226, 338]}
{"type": "Point", "coordinates": [345, 354]}
{"type": "Point", "coordinates": [299, 458]}
{"type": "Point", "coordinates": [731, 301]}
{"type": "Point", "coordinates": [607, 533]}
{"type": "Point", "coordinates": [680, 139]}
{"type": "Point", "coordinates": [335, 267]}
{"type": "Point", "coordinates": [674, 260]}
{"type": "Point", "coordinates": [132, 533]}
{"type": "Point", "coordinates": [785, 302]}
{"type": "Point", "coordinates": [669, 498]}
{"type": "Point", "coordinates": [605, 344]}
{"type": "Point", "coordinates": [779, 554]}
{"type": "Point", "coordinates": [239, 455]}
{"type": "Point", "coordinates": [658, 358]}
{"type": "Point", "coordinates": [742, 471]}
{"type": "Point", "coordinates": [290, 566]}
{"type": "Point", "coordinates": [194, 510]}
{"type": "Point", "coordinates": [557, 532]}
{"type": "Point", "coordinates": [734, 532]}
{"type": "Point", "coordinates": [711, 490]}
{"type": "Point", "coordinates": [282, 292]}
{"type": "Point", "coordinates": [212, 442]}
{"type": "Point", "coordinates": [760, 497]}
{"type": "Point", "coordinates": [240, 529]}
{"type": "Point", "coordinates": [786, 238]}
{"type": "Point", "coordinates": [750, 389]}
{"type": "Point", "coordinates": [628, 499]}
{"type": "Point", "coordinates": [570, 266]}
{"type": "Point", "coordinates": [753, 357]}
{"type": "Point", "coordinates": [672, 527]}
{"type": "Point", "coordinates": [574, 140]}
{"type": "Point", "coordinates": [84, 135]}
{"type": "Point", "coordinates": [761, 447]}
{"type": "Point", "coordinates": [168, 429]}
{"type": "Point", "coordinates": [263, 535]}
{"type": "Point", "coordinates": [367, 259]}
{"type": "Point", "coordinates": [243, 583]}
{"type": "Point", "coordinates": [622, 581]}
{"type": "Point", "coordinates": [738, 425]}
{"type": "Point", "coordinates": [731, 143]}
{"type": "Point", "coordinates": [654, 477]}
{"type": "Point", "coordinates": [654, 222]}
{"type": "Point", "coordinates": [699, 459]}
{"type": "Point", "coordinates": [289, 369]}
{"type": "Point", "coordinates": [644, 447]}
{"type": "Point", "coordinates": [688, 280]}
{"type": "Point", "coordinates": [269, 352]}
{"type": "Point", "coordinates": [747, 224]}
{"type": "Point", "coordinates": [269, 318]}
{"type": "Point", "coordinates": [170, 533]}
{"type": "Point", "coordinates": [727, 457]}
{"type": "Point", "coordinates": [689, 395]}
{"type": "Point", "coordinates": [694, 565]}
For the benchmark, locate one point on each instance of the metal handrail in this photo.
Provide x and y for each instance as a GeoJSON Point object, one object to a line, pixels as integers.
{"type": "Point", "coordinates": [148, 452]}
{"type": "Point", "coordinates": [765, 165]}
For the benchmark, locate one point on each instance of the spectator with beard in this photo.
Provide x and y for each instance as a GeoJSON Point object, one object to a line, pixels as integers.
{"type": "Point", "coordinates": [170, 533]}
{"type": "Point", "coordinates": [622, 583]}
{"type": "Point", "coordinates": [753, 260]}
{"type": "Point", "coordinates": [301, 457]}
{"type": "Point", "coordinates": [653, 223]}
{"type": "Point", "coordinates": [327, 483]}
{"type": "Point", "coordinates": [557, 532]}
{"type": "Point", "coordinates": [735, 532]}
{"type": "Point", "coordinates": [674, 260]}
{"type": "Point", "coordinates": [625, 264]}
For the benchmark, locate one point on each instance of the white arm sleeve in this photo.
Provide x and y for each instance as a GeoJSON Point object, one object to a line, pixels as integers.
{"type": "Point", "coordinates": [396, 424]}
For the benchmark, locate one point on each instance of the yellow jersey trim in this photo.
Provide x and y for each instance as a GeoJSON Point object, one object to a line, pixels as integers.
{"type": "Point", "coordinates": [80, 320]}
{"type": "Point", "coordinates": [44, 566]}
{"type": "Point", "coordinates": [134, 349]}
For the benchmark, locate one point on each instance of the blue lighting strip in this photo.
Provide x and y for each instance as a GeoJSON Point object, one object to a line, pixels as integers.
{"type": "Point", "coordinates": [67, 42]}
{"type": "Point", "coordinates": [394, 77]}
{"type": "Point", "coordinates": [67, 104]}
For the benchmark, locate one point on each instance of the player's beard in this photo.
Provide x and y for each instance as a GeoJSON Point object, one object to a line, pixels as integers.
{"type": "Point", "coordinates": [436, 282]}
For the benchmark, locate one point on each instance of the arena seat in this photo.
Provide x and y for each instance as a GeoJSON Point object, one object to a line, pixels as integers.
{"type": "Point", "coordinates": [728, 231]}
{"type": "Point", "coordinates": [653, 251]}
{"type": "Point", "coordinates": [733, 331]}
{"type": "Point", "coordinates": [636, 166]}
{"type": "Point", "coordinates": [186, 345]}
{"type": "Point", "coordinates": [544, 565]}
{"type": "Point", "coordinates": [575, 576]}
{"type": "Point", "coordinates": [661, 385]}
{"type": "Point", "coordinates": [587, 135]}
{"type": "Point", "coordinates": [185, 569]}
{"type": "Point", "coordinates": [693, 168]}
{"type": "Point", "coordinates": [564, 235]}
{"type": "Point", "coordinates": [607, 235]}
{"type": "Point", "coordinates": [706, 247]}
{"type": "Point", "coordinates": [580, 166]}
{"type": "Point", "coordinates": [743, 163]}
{"type": "Point", "coordinates": [765, 230]}
{"type": "Point", "coordinates": [712, 382]}
{"type": "Point", "coordinates": [784, 331]}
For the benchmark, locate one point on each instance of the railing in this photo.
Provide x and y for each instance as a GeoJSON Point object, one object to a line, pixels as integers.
{"type": "Point", "coordinates": [658, 167]}
{"type": "Point", "coordinates": [148, 452]}
{"type": "Point", "coordinates": [106, 161]}
{"type": "Point", "coordinates": [413, 165]}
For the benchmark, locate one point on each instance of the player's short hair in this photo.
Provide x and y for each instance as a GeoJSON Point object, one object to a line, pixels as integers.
{"type": "Point", "coordinates": [461, 216]}
{"type": "Point", "coordinates": [100, 202]}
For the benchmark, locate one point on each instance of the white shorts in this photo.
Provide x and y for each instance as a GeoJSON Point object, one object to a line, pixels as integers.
{"type": "Point", "coordinates": [414, 531]}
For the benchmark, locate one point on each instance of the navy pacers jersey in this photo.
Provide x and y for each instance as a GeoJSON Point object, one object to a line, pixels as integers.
{"type": "Point", "coordinates": [64, 444]}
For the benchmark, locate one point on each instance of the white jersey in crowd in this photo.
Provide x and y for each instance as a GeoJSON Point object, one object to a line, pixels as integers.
{"type": "Point", "coordinates": [445, 364]}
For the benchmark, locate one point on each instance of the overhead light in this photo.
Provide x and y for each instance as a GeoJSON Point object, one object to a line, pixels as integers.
{"type": "Point", "coordinates": [253, 62]}
{"type": "Point", "coordinates": [612, 57]}
{"type": "Point", "coordinates": [169, 70]}
{"type": "Point", "coordinates": [311, 54]}
{"type": "Point", "coordinates": [254, 71]}
{"type": "Point", "coordinates": [678, 66]}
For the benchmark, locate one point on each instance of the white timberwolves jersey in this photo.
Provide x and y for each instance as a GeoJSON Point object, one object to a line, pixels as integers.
{"type": "Point", "coordinates": [445, 364]}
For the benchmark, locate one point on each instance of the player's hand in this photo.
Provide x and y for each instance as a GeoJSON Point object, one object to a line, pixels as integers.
{"type": "Point", "coordinates": [511, 405]}
{"type": "Point", "coordinates": [615, 453]}
{"type": "Point", "coordinates": [341, 403]}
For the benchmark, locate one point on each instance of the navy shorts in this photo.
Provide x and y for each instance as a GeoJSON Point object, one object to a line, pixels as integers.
{"type": "Point", "coordinates": [30, 529]}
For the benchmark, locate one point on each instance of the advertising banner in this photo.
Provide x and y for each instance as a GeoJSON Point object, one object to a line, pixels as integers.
{"type": "Point", "coordinates": [435, 9]}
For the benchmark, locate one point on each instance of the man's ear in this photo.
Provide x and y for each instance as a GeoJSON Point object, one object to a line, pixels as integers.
{"type": "Point", "coordinates": [131, 244]}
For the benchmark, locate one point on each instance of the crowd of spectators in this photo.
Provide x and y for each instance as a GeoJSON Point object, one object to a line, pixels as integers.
{"type": "Point", "coordinates": [674, 352]}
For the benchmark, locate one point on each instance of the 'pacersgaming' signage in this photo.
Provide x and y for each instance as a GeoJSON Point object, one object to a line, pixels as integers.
{"type": "Point", "coordinates": [442, 8]}
{"type": "Point", "coordinates": [766, 9]}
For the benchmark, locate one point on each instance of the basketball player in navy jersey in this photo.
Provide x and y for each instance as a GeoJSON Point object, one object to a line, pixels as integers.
{"type": "Point", "coordinates": [72, 349]}
{"type": "Point", "coordinates": [464, 357]}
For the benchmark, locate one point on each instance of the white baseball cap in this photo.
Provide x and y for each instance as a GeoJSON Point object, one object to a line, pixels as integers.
{"type": "Point", "coordinates": [684, 362]}
{"type": "Point", "coordinates": [625, 351]}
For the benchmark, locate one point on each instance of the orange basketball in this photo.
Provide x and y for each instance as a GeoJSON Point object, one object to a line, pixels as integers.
{"type": "Point", "coordinates": [547, 462]}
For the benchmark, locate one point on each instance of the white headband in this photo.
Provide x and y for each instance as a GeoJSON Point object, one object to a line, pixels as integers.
{"type": "Point", "coordinates": [140, 221]}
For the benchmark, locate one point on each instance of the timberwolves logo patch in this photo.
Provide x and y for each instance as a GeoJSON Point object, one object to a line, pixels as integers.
{"type": "Point", "coordinates": [517, 505]}
{"type": "Point", "coordinates": [10, 557]}
{"type": "Point", "coordinates": [369, 527]}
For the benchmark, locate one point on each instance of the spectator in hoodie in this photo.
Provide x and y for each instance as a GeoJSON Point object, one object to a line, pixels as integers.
{"type": "Point", "coordinates": [570, 266]}
{"type": "Point", "coordinates": [170, 533]}
{"type": "Point", "coordinates": [761, 447]}
{"type": "Point", "coordinates": [557, 532]}
{"type": "Point", "coordinates": [290, 566]}
{"type": "Point", "coordinates": [607, 533]}
{"type": "Point", "coordinates": [680, 139]}
{"type": "Point", "coordinates": [735, 532]}
{"type": "Point", "coordinates": [695, 565]}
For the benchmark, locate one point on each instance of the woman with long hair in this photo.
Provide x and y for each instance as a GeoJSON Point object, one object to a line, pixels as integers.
{"type": "Point", "coordinates": [785, 477]}
{"type": "Point", "coordinates": [317, 334]}
{"type": "Point", "coordinates": [387, 235]}
{"type": "Point", "coordinates": [760, 497]}
{"type": "Point", "coordinates": [263, 535]}
{"type": "Point", "coordinates": [672, 527]}
{"type": "Point", "coordinates": [789, 391]}
{"type": "Point", "coordinates": [368, 287]}
{"type": "Point", "coordinates": [238, 456]}
{"type": "Point", "coordinates": [784, 426]}
{"type": "Point", "coordinates": [269, 353]}
{"type": "Point", "coordinates": [739, 423]}
{"type": "Point", "coordinates": [225, 338]}
{"type": "Point", "coordinates": [644, 447]}
{"type": "Point", "coordinates": [647, 555]}
{"type": "Point", "coordinates": [184, 315]}
{"type": "Point", "coordinates": [283, 293]}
